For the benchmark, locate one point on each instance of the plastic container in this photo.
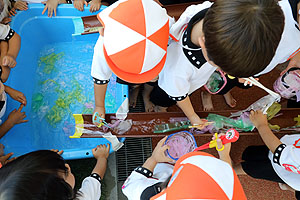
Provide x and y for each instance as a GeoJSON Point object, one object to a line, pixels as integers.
{"type": "Point", "coordinates": [43, 36]}
{"type": "Point", "coordinates": [180, 144]}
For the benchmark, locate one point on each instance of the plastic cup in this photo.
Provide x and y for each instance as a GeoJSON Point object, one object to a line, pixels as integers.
{"type": "Point", "coordinates": [180, 144]}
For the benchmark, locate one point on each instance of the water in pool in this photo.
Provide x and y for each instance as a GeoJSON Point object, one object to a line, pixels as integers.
{"type": "Point", "coordinates": [64, 86]}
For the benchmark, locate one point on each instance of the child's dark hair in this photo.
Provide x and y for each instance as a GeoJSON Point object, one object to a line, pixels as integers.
{"type": "Point", "coordinates": [241, 36]}
{"type": "Point", "coordinates": [35, 176]}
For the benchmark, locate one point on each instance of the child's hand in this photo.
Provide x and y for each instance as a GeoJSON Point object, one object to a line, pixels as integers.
{"type": "Point", "coordinates": [57, 151]}
{"type": "Point", "coordinates": [101, 151]}
{"type": "Point", "coordinates": [20, 5]}
{"type": "Point", "coordinates": [12, 12]}
{"type": "Point", "coordinates": [79, 4]}
{"type": "Point", "coordinates": [6, 20]}
{"type": "Point", "coordinates": [51, 6]}
{"type": "Point", "coordinates": [5, 159]}
{"type": "Point", "coordinates": [95, 5]}
{"type": "Point", "coordinates": [158, 155]}
{"type": "Point", "coordinates": [294, 62]}
{"type": "Point", "coordinates": [9, 61]}
{"type": "Point", "coordinates": [258, 118]}
{"type": "Point", "coordinates": [227, 147]}
{"type": "Point", "coordinates": [17, 116]}
{"type": "Point", "coordinates": [17, 95]}
{"type": "Point", "coordinates": [101, 112]}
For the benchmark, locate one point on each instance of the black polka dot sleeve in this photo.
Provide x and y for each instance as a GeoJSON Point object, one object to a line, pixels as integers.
{"type": "Point", "coordinates": [144, 171]}
{"type": "Point", "coordinates": [9, 35]}
{"type": "Point", "coordinates": [178, 98]}
{"type": "Point", "coordinates": [277, 153]}
{"type": "Point", "coordinates": [96, 176]}
{"type": "Point", "coordinates": [100, 82]}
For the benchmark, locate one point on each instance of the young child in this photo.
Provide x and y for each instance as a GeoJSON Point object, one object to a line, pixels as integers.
{"type": "Point", "coordinates": [278, 161]}
{"type": "Point", "coordinates": [137, 59]}
{"type": "Point", "coordinates": [243, 38]}
{"type": "Point", "coordinates": [194, 176]}
{"type": "Point", "coordinates": [286, 49]}
{"type": "Point", "coordinates": [45, 175]}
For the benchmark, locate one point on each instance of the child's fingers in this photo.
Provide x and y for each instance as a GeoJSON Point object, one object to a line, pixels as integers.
{"type": "Point", "coordinates": [162, 141]}
{"type": "Point", "coordinates": [20, 108]}
{"type": "Point", "coordinates": [7, 156]}
{"type": "Point", "coordinates": [44, 8]}
{"type": "Point", "coordinates": [55, 12]}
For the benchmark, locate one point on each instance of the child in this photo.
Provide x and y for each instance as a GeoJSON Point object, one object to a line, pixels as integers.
{"type": "Point", "coordinates": [278, 161]}
{"type": "Point", "coordinates": [45, 175]}
{"type": "Point", "coordinates": [240, 37]}
{"type": "Point", "coordinates": [286, 49]}
{"type": "Point", "coordinates": [137, 59]}
{"type": "Point", "coordinates": [194, 176]}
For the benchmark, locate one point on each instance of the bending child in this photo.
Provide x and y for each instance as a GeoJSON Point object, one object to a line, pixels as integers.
{"type": "Point", "coordinates": [278, 161]}
{"type": "Point", "coordinates": [135, 60]}
{"type": "Point", "coordinates": [194, 176]}
{"type": "Point", "coordinates": [45, 175]}
{"type": "Point", "coordinates": [267, 39]}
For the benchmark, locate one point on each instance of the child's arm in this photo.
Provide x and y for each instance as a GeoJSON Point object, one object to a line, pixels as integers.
{"type": "Point", "coordinates": [99, 92]}
{"type": "Point", "coordinates": [187, 107]}
{"type": "Point", "coordinates": [16, 95]}
{"type": "Point", "coordinates": [158, 155]}
{"type": "Point", "coordinates": [225, 153]}
{"type": "Point", "coordinates": [15, 117]}
{"type": "Point", "coordinates": [260, 121]}
{"type": "Point", "coordinates": [14, 45]}
{"type": "Point", "coordinates": [101, 153]}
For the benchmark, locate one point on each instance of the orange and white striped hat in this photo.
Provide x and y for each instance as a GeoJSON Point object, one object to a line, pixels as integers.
{"type": "Point", "coordinates": [199, 175]}
{"type": "Point", "coordinates": [136, 34]}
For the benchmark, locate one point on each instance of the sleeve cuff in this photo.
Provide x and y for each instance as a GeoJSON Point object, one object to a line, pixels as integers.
{"type": "Point", "coordinates": [96, 176]}
{"type": "Point", "coordinates": [277, 153]}
{"type": "Point", "coordinates": [100, 82]}
{"type": "Point", "coordinates": [9, 35]}
{"type": "Point", "coordinates": [144, 171]}
{"type": "Point", "coordinates": [178, 98]}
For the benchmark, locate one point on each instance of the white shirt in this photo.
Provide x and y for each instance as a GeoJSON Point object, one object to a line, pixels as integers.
{"type": "Point", "coordinates": [289, 160]}
{"type": "Point", "coordinates": [4, 31]}
{"type": "Point", "coordinates": [2, 111]}
{"type": "Point", "coordinates": [90, 189]}
{"type": "Point", "coordinates": [179, 76]}
{"type": "Point", "coordinates": [136, 183]}
{"type": "Point", "coordinates": [289, 42]}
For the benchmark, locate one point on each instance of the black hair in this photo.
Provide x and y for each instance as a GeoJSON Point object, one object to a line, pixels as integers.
{"type": "Point", "coordinates": [241, 36]}
{"type": "Point", "coordinates": [35, 176]}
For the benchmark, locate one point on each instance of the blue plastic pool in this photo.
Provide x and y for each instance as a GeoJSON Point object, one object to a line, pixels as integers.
{"type": "Point", "coordinates": [53, 72]}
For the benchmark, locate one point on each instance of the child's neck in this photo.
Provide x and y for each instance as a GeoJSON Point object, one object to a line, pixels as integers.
{"type": "Point", "coordinates": [197, 32]}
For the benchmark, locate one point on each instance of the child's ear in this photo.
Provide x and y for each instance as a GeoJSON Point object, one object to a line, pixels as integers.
{"type": "Point", "coordinates": [201, 41]}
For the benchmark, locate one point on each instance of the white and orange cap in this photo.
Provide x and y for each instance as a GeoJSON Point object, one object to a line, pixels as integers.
{"type": "Point", "coordinates": [136, 34]}
{"type": "Point", "coordinates": [199, 175]}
